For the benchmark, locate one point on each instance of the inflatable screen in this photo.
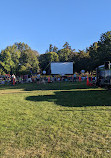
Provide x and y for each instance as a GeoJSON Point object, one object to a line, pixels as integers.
{"type": "Point", "coordinates": [62, 68]}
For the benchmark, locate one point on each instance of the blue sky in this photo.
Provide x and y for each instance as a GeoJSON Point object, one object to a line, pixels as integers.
{"type": "Point", "coordinates": [42, 22]}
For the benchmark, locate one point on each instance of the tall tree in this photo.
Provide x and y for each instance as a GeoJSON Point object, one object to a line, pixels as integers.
{"type": "Point", "coordinates": [50, 48]}
{"type": "Point", "coordinates": [6, 63]}
{"type": "Point", "coordinates": [55, 49]}
{"type": "Point", "coordinates": [46, 59]}
{"type": "Point", "coordinates": [66, 45]}
{"type": "Point", "coordinates": [19, 59]}
{"type": "Point", "coordinates": [100, 51]}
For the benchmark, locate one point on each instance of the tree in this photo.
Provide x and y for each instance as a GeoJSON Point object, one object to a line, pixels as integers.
{"type": "Point", "coordinates": [22, 46]}
{"type": "Point", "coordinates": [100, 51]}
{"type": "Point", "coordinates": [66, 45]}
{"type": "Point", "coordinates": [55, 49]}
{"type": "Point", "coordinates": [29, 59]}
{"type": "Point", "coordinates": [6, 63]}
{"type": "Point", "coordinates": [94, 56]}
{"type": "Point", "coordinates": [104, 50]}
{"type": "Point", "coordinates": [19, 59]}
{"type": "Point", "coordinates": [50, 48]}
{"type": "Point", "coordinates": [106, 38]}
{"type": "Point", "coordinates": [52, 56]}
{"type": "Point", "coordinates": [83, 61]}
{"type": "Point", "coordinates": [46, 59]}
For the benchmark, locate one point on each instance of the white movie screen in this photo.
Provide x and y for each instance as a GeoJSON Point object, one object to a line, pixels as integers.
{"type": "Point", "coordinates": [62, 68]}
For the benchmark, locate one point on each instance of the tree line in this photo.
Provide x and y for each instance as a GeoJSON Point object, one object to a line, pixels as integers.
{"type": "Point", "coordinates": [21, 59]}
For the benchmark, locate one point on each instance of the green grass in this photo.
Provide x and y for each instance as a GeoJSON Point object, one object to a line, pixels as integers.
{"type": "Point", "coordinates": [56, 120]}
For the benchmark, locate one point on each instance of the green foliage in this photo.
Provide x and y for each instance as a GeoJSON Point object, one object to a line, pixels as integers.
{"type": "Point", "coordinates": [82, 61]}
{"type": "Point", "coordinates": [46, 59]}
{"type": "Point", "coordinates": [29, 60]}
{"type": "Point", "coordinates": [100, 51]}
{"type": "Point", "coordinates": [19, 59]}
{"type": "Point", "coordinates": [66, 45]}
{"type": "Point", "coordinates": [65, 54]}
{"type": "Point", "coordinates": [6, 63]}
{"type": "Point", "coordinates": [95, 55]}
{"type": "Point", "coordinates": [50, 48]}
{"type": "Point", "coordinates": [52, 56]}
{"type": "Point", "coordinates": [55, 49]}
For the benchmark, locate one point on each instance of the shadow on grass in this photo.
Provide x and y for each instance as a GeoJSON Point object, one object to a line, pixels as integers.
{"type": "Point", "coordinates": [77, 98]}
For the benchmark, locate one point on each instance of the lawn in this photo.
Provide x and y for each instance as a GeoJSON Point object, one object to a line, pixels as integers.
{"type": "Point", "coordinates": [55, 120]}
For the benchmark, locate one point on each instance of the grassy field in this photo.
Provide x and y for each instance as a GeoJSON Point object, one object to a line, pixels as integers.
{"type": "Point", "coordinates": [56, 120]}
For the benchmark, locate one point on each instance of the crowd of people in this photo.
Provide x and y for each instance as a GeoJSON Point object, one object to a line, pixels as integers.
{"type": "Point", "coordinates": [38, 78]}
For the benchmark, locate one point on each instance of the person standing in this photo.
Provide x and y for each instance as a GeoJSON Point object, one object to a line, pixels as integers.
{"type": "Point", "coordinates": [38, 78]}
{"type": "Point", "coordinates": [13, 79]}
{"type": "Point", "coordinates": [74, 77]}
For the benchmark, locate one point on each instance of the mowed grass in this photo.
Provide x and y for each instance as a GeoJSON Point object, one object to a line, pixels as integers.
{"type": "Point", "coordinates": [56, 120]}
